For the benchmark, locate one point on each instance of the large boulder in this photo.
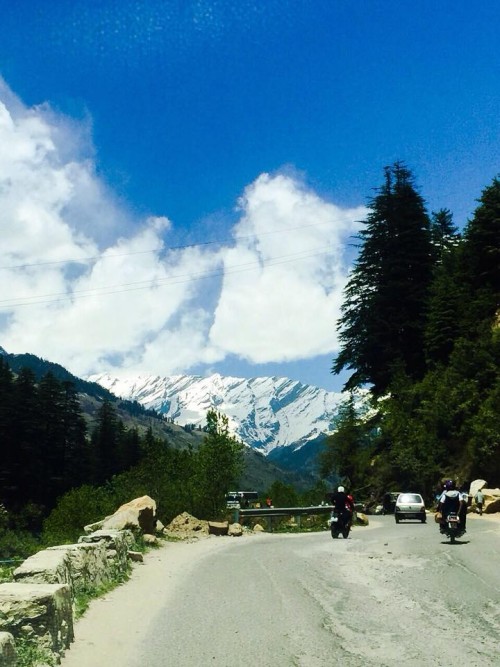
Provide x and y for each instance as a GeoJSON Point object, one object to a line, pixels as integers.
{"type": "Point", "coordinates": [138, 515]}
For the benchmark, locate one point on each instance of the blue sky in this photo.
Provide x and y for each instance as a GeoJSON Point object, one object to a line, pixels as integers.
{"type": "Point", "coordinates": [253, 132]}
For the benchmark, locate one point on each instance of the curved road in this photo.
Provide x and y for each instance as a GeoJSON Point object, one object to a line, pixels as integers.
{"type": "Point", "coordinates": [389, 595]}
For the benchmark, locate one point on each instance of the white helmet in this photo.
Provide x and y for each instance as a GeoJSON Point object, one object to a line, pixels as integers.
{"type": "Point", "coordinates": [341, 489]}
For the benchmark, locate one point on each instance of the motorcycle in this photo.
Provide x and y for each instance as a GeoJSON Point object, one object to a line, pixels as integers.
{"type": "Point", "coordinates": [340, 523]}
{"type": "Point", "coordinates": [451, 527]}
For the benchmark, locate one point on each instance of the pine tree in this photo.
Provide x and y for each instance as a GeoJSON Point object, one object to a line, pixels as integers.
{"type": "Point", "coordinates": [382, 324]}
{"type": "Point", "coordinates": [447, 298]}
{"type": "Point", "coordinates": [481, 255]}
{"type": "Point", "coordinates": [105, 443]}
{"type": "Point", "coordinates": [51, 444]}
{"type": "Point", "coordinates": [27, 474]}
{"type": "Point", "coordinates": [76, 456]}
{"type": "Point", "coordinates": [444, 233]}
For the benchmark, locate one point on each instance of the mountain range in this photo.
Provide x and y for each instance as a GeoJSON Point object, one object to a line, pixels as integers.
{"type": "Point", "coordinates": [276, 416]}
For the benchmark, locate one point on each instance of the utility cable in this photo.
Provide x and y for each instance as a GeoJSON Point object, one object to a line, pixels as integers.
{"type": "Point", "coordinates": [103, 256]}
{"type": "Point", "coordinates": [43, 299]}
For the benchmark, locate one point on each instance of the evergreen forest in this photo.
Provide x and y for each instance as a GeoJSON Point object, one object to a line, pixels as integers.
{"type": "Point", "coordinates": [61, 471]}
{"type": "Point", "coordinates": [420, 336]}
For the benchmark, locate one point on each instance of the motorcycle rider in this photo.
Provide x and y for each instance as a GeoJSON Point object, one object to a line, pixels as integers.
{"type": "Point", "coordinates": [451, 501]}
{"type": "Point", "coordinates": [343, 504]}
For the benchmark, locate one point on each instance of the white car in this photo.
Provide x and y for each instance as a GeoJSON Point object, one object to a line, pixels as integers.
{"type": "Point", "coordinates": [410, 506]}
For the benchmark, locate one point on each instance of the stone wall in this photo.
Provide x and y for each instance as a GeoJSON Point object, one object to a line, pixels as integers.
{"type": "Point", "coordinates": [38, 605]}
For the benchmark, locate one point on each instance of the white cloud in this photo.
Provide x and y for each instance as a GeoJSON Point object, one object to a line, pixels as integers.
{"type": "Point", "coordinates": [285, 308]}
{"type": "Point", "coordinates": [125, 302]}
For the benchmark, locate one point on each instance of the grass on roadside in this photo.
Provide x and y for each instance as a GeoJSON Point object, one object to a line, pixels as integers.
{"type": "Point", "coordinates": [30, 654]}
{"type": "Point", "coordinates": [84, 596]}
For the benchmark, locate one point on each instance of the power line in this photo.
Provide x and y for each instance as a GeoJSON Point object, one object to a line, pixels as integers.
{"type": "Point", "coordinates": [103, 256]}
{"type": "Point", "coordinates": [44, 299]}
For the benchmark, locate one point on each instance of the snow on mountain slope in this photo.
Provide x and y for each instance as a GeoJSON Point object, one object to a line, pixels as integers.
{"type": "Point", "coordinates": [263, 412]}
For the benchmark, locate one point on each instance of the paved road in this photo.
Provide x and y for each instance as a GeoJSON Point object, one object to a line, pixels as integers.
{"type": "Point", "coordinates": [389, 595]}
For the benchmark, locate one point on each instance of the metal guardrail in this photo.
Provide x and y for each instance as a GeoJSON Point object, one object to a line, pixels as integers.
{"type": "Point", "coordinates": [272, 512]}
{"type": "Point", "coordinates": [285, 511]}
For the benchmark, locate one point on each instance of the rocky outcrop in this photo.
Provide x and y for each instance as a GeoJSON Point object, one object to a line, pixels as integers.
{"type": "Point", "coordinates": [88, 564]}
{"type": "Point", "coordinates": [492, 505]}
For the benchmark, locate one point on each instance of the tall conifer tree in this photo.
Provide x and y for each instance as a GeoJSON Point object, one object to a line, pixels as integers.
{"type": "Point", "coordinates": [382, 322]}
{"type": "Point", "coordinates": [29, 482]}
{"type": "Point", "coordinates": [482, 253]}
{"type": "Point", "coordinates": [76, 464]}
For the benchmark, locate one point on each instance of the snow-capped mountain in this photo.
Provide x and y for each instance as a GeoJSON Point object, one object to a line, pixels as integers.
{"type": "Point", "coordinates": [265, 412]}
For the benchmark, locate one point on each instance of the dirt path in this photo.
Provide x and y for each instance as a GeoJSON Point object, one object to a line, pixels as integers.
{"type": "Point", "coordinates": [106, 628]}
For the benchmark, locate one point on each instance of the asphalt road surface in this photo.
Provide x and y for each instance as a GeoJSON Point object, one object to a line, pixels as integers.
{"type": "Point", "coordinates": [389, 595]}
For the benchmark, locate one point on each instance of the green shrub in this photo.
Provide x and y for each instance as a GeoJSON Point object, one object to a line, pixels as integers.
{"type": "Point", "coordinates": [74, 510]}
{"type": "Point", "coordinates": [17, 544]}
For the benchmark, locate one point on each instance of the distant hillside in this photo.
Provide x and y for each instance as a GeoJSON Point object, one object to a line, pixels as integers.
{"type": "Point", "coordinates": [41, 367]}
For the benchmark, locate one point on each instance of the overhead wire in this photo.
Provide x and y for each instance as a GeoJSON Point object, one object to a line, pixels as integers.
{"type": "Point", "coordinates": [104, 256]}
{"type": "Point", "coordinates": [44, 299]}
